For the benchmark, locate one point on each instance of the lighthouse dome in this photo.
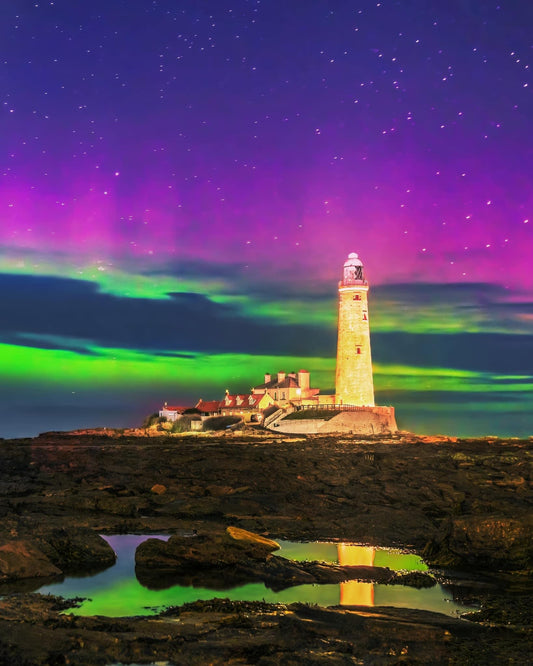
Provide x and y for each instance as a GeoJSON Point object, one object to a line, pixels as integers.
{"type": "Point", "coordinates": [353, 270]}
{"type": "Point", "coordinates": [353, 260]}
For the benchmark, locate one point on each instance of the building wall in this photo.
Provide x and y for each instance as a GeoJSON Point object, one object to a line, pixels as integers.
{"type": "Point", "coordinates": [298, 426]}
{"type": "Point", "coordinates": [364, 421]}
{"type": "Point", "coordinates": [354, 384]}
{"type": "Point", "coordinates": [169, 414]}
{"type": "Point", "coordinates": [247, 415]}
{"type": "Point", "coordinates": [371, 421]}
{"type": "Point", "coordinates": [283, 395]}
{"type": "Point", "coordinates": [303, 380]}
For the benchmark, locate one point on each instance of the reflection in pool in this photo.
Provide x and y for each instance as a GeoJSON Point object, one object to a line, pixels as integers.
{"type": "Point", "coordinates": [117, 592]}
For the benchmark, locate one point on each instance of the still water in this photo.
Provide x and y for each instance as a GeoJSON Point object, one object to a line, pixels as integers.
{"type": "Point", "coordinates": [117, 592]}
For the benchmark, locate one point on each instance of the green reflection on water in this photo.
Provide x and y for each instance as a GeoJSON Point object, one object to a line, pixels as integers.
{"type": "Point", "coordinates": [329, 552]}
{"type": "Point", "coordinates": [116, 591]}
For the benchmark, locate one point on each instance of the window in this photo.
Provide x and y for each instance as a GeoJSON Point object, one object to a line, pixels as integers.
{"type": "Point", "coordinates": [358, 350]}
{"type": "Point", "coordinates": [365, 318]}
{"type": "Point", "coordinates": [357, 297]}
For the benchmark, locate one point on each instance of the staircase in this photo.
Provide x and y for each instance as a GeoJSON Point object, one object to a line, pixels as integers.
{"type": "Point", "coordinates": [271, 421]}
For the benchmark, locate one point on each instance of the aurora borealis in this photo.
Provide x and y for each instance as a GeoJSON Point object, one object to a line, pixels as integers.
{"type": "Point", "coordinates": [181, 182]}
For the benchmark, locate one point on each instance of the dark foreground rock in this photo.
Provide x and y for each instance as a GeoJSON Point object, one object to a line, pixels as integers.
{"type": "Point", "coordinates": [484, 542]}
{"type": "Point", "coordinates": [221, 560]}
{"type": "Point", "coordinates": [52, 552]}
{"type": "Point", "coordinates": [23, 559]}
{"type": "Point", "coordinates": [469, 501]}
{"type": "Point", "coordinates": [76, 549]}
{"type": "Point", "coordinates": [221, 632]}
{"type": "Point", "coordinates": [216, 548]}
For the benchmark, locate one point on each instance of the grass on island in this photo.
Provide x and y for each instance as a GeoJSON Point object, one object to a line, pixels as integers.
{"type": "Point", "coordinates": [325, 414]}
{"type": "Point", "coordinates": [220, 422]}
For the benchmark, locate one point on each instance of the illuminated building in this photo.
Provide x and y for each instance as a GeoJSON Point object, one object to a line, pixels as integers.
{"type": "Point", "coordinates": [285, 388]}
{"type": "Point", "coordinates": [354, 383]}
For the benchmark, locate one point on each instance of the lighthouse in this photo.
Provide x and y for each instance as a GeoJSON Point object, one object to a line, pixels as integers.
{"type": "Point", "coordinates": [354, 384]}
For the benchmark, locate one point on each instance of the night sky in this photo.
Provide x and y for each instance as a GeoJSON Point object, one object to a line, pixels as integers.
{"type": "Point", "coordinates": [182, 180]}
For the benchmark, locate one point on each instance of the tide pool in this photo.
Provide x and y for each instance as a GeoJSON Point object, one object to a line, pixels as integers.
{"type": "Point", "coordinates": [116, 591]}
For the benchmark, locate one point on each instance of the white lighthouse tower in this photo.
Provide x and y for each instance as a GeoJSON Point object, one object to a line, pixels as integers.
{"type": "Point", "coordinates": [354, 383]}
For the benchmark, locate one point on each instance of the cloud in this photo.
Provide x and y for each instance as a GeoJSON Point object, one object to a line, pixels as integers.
{"type": "Point", "coordinates": [399, 396]}
{"type": "Point", "coordinates": [68, 314]}
{"type": "Point", "coordinates": [454, 308]}
{"type": "Point", "coordinates": [48, 308]}
{"type": "Point", "coordinates": [47, 342]}
{"type": "Point", "coordinates": [482, 352]}
{"type": "Point", "coordinates": [261, 281]}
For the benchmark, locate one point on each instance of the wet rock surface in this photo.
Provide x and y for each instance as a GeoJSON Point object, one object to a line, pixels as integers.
{"type": "Point", "coordinates": [223, 559]}
{"type": "Point", "coordinates": [76, 549]}
{"type": "Point", "coordinates": [216, 548]}
{"type": "Point", "coordinates": [225, 632]}
{"type": "Point", "coordinates": [21, 558]}
{"type": "Point", "coordinates": [487, 541]}
{"type": "Point", "coordinates": [48, 552]}
{"type": "Point", "coordinates": [467, 502]}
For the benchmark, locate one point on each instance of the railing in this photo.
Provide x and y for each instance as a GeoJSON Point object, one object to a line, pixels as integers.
{"type": "Point", "coordinates": [343, 408]}
{"type": "Point", "coordinates": [270, 419]}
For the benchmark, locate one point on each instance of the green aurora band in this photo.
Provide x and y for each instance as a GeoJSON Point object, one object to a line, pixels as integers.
{"type": "Point", "coordinates": [181, 375]}
{"type": "Point", "coordinates": [123, 369]}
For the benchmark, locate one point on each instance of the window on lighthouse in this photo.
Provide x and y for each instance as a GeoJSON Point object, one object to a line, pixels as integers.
{"type": "Point", "coordinates": [365, 318]}
{"type": "Point", "coordinates": [357, 297]}
{"type": "Point", "coordinates": [358, 350]}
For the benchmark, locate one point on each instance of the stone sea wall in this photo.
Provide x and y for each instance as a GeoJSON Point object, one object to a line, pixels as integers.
{"type": "Point", "coordinates": [363, 421]}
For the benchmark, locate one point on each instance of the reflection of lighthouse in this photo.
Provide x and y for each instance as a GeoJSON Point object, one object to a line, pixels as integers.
{"type": "Point", "coordinates": [354, 384]}
{"type": "Point", "coordinates": [354, 593]}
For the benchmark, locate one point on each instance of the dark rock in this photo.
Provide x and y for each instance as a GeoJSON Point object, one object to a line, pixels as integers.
{"type": "Point", "coordinates": [121, 506]}
{"type": "Point", "coordinates": [394, 491]}
{"type": "Point", "coordinates": [76, 549]}
{"type": "Point", "coordinates": [222, 560]}
{"type": "Point", "coordinates": [222, 632]}
{"type": "Point", "coordinates": [416, 579]}
{"type": "Point", "coordinates": [483, 542]}
{"type": "Point", "coordinates": [204, 551]}
{"type": "Point", "coordinates": [23, 559]}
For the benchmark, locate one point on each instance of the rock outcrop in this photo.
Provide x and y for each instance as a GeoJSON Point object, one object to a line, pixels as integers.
{"type": "Point", "coordinates": [22, 559]}
{"type": "Point", "coordinates": [207, 550]}
{"type": "Point", "coordinates": [484, 542]}
{"type": "Point", "coordinates": [220, 560]}
{"type": "Point", "coordinates": [54, 552]}
{"type": "Point", "coordinates": [76, 549]}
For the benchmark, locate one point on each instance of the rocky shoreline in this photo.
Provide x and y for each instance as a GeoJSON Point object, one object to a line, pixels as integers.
{"type": "Point", "coordinates": [464, 504]}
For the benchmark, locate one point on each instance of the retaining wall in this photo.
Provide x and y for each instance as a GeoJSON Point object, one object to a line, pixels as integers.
{"type": "Point", "coordinates": [364, 421]}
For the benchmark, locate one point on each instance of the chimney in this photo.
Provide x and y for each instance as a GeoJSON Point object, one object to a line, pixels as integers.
{"type": "Point", "coordinates": [281, 376]}
{"type": "Point", "coordinates": [303, 380]}
{"type": "Point", "coordinates": [268, 377]}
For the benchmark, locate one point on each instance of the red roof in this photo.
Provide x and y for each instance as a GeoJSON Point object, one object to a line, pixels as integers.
{"type": "Point", "coordinates": [208, 405]}
{"type": "Point", "coordinates": [175, 408]}
{"type": "Point", "coordinates": [241, 401]}
{"type": "Point", "coordinates": [229, 401]}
